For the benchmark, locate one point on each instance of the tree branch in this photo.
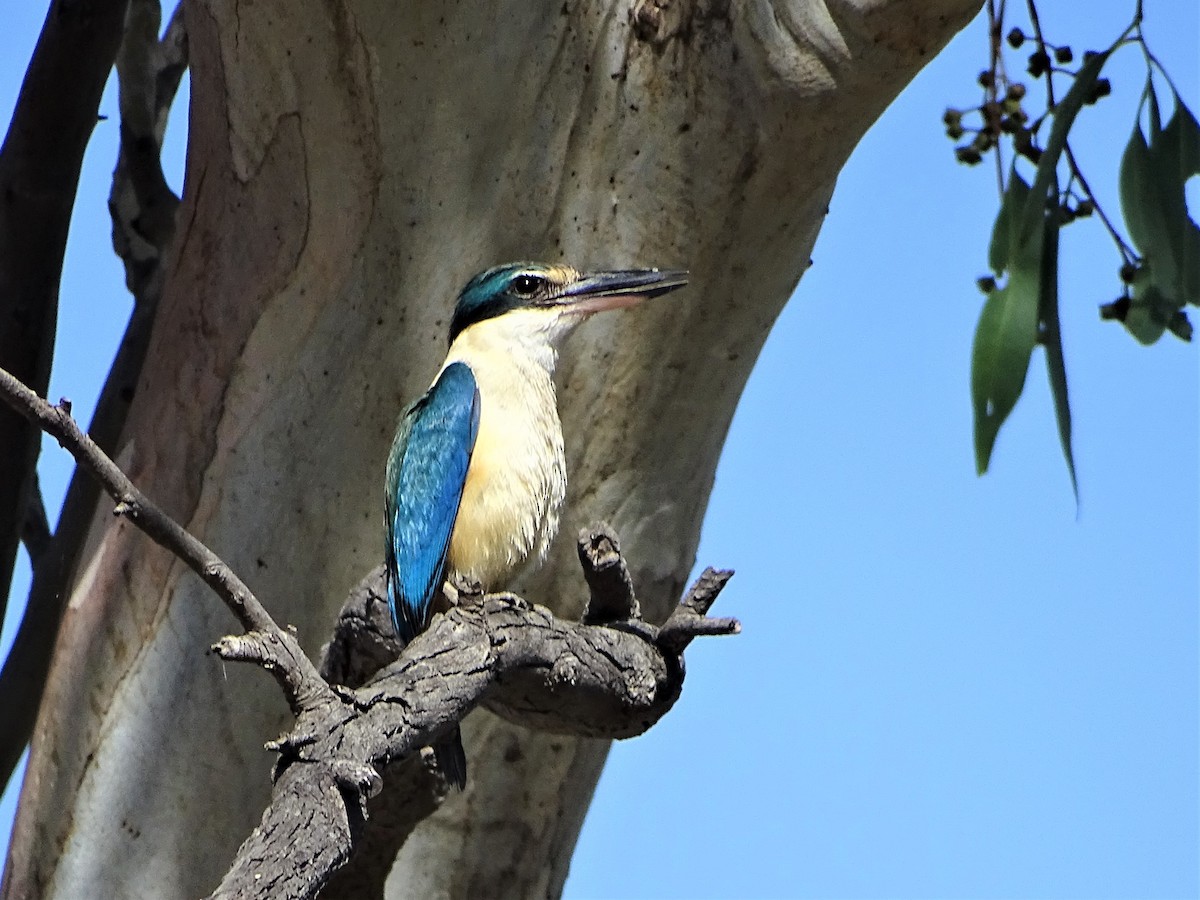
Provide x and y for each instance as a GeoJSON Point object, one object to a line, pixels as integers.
{"type": "Point", "coordinates": [23, 676]}
{"type": "Point", "coordinates": [611, 588]}
{"type": "Point", "coordinates": [363, 643]}
{"type": "Point", "coordinates": [295, 672]}
{"type": "Point", "coordinates": [39, 172]}
{"type": "Point", "coordinates": [35, 532]}
{"type": "Point", "coordinates": [599, 681]}
{"type": "Point", "coordinates": [495, 650]}
{"type": "Point", "coordinates": [143, 207]}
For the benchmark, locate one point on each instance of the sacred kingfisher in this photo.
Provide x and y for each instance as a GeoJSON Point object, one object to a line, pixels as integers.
{"type": "Point", "coordinates": [477, 475]}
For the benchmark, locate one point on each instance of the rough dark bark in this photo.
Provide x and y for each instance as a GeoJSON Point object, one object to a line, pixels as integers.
{"type": "Point", "coordinates": [612, 681]}
{"type": "Point", "coordinates": [363, 644]}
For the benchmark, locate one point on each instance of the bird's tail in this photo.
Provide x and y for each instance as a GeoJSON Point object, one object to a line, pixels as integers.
{"type": "Point", "coordinates": [452, 759]}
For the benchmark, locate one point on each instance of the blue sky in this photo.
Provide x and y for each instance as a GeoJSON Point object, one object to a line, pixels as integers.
{"type": "Point", "coordinates": [946, 686]}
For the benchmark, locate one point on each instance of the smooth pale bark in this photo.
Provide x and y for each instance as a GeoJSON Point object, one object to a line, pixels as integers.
{"type": "Point", "coordinates": [350, 166]}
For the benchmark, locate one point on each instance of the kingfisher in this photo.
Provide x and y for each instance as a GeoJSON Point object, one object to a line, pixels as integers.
{"type": "Point", "coordinates": [476, 475]}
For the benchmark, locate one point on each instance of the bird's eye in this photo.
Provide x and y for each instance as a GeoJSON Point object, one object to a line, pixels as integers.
{"type": "Point", "coordinates": [527, 285]}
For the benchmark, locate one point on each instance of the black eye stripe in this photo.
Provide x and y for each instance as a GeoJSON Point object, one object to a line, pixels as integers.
{"type": "Point", "coordinates": [503, 289]}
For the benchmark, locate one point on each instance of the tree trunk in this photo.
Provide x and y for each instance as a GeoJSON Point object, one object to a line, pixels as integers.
{"type": "Point", "coordinates": [351, 165]}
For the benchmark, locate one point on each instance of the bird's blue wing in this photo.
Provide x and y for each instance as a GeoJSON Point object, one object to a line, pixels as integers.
{"type": "Point", "coordinates": [426, 471]}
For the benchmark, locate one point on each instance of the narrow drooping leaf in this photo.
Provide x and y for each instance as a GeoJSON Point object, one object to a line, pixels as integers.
{"type": "Point", "coordinates": [1004, 341]}
{"type": "Point", "coordinates": [1009, 325]}
{"type": "Point", "coordinates": [1185, 125]}
{"type": "Point", "coordinates": [1051, 336]}
{"type": "Point", "coordinates": [1138, 189]}
{"type": "Point", "coordinates": [1154, 115]}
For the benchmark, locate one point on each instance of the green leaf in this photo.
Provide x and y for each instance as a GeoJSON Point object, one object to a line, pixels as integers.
{"type": "Point", "coordinates": [1016, 195]}
{"type": "Point", "coordinates": [1178, 146]}
{"type": "Point", "coordinates": [1153, 176]}
{"type": "Point", "coordinates": [1004, 340]}
{"type": "Point", "coordinates": [1184, 124]}
{"type": "Point", "coordinates": [1051, 336]}
{"type": "Point", "coordinates": [1154, 115]}
{"type": "Point", "coordinates": [1138, 190]}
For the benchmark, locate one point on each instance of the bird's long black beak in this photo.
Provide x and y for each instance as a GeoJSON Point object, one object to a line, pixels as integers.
{"type": "Point", "coordinates": [598, 291]}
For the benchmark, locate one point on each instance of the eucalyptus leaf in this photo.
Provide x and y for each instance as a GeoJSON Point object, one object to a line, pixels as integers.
{"type": "Point", "coordinates": [1154, 115]}
{"type": "Point", "coordinates": [1180, 326]}
{"type": "Point", "coordinates": [1180, 150]}
{"type": "Point", "coordinates": [1016, 195]}
{"type": "Point", "coordinates": [1184, 124]}
{"type": "Point", "coordinates": [1191, 264]}
{"type": "Point", "coordinates": [1005, 337]}
{"type": "Point", "coordinates": [1051, 338]}
{"type": "Point", "coordinates": [1154, 171]}
{"type": "Point", "coordinates": [1138, 190]}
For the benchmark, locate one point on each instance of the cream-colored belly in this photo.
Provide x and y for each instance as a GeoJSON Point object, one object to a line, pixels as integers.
{"type": "Point", "coordinates": [516, 481]}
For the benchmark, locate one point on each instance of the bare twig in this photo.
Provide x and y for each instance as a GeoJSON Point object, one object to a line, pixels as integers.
{"type": "Point", "coordinates": [293, 669]}
{"type": "Point", "coordinates": [363, 643]}
{"type": "Point", "coordinates": [413, 793]}
{"type": "Point", "coordinates": [1127, 253]}
{"type": "Point", "coordinates": [689, 619]}
{"type": "Point", "coordinates": [996, 62]}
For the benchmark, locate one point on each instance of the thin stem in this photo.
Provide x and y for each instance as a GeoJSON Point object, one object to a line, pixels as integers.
{"type": "Point", "coordinates": [1153, 63]}
{"type": "Point", "coordinates": [132, 503]}
{"type": "Point", "coordinates": [1041, 42]}
{"type": "Point", "coordinates": [294, 671]}
{"type": "Point", "coordinates": [995, 36]}
{"type": "Point", "coordinates": [1127, 253]}
{"type": "Point", "coordinates": [1068, 191]}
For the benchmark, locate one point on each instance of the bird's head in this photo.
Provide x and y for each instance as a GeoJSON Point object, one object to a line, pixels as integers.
{"type": "Point", "coordinates": [550, 300]}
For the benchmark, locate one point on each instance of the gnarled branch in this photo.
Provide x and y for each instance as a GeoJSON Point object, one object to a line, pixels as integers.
{"type": "Point", "coordinates": [611, 680]}
{"type": "Point", "coordinates": [520, 661]}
